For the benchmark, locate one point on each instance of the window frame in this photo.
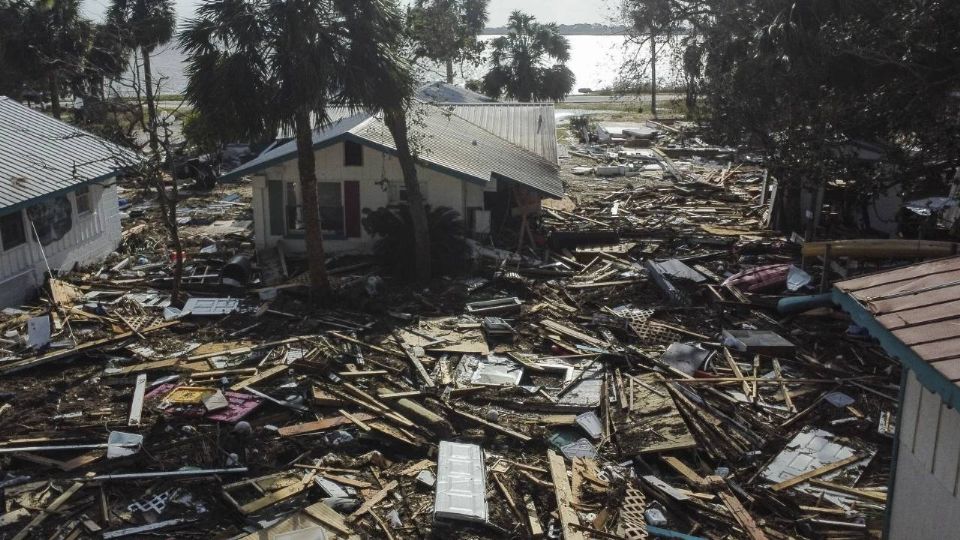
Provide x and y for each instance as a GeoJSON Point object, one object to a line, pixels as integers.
{"type": "Point", "coordinates": [352, 149]}
{"type": "Point", "coordinates": [292, 189]}
{"type": "Point", "coordinates": [23, 231]}
{"type": "Point", "coordinates": [87, 195]}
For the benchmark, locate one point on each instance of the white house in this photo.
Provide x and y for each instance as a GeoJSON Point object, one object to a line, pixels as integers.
{"type": "Point", "coordinates": [914, 314]}
{"type": "Point", "coordinates": [58, 198]}
{"type": "Point", "coordinates": [482, 160]}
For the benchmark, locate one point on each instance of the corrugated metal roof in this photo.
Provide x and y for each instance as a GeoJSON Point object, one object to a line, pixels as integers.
{"type": "Point", "coordinates": [918, 305]}
{"type": "Point", "coordinates": [441, 92]}
{"type": "Point", "coordinates": [529, 125]}
{"type": "Point", "coordinates": [448, 143]}
{"type": "Point", "coordinates": [40, 155]}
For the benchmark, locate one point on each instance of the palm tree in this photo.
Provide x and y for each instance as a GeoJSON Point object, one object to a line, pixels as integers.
{"type": "Point", "coordinates": [257, 65]}
{"type": "Point", "coordinates": [446, 31]}
{"type": "Point", "coordinates": [144, 26]}
{"type": "Point", "coordinates": [529, 62]}
{"type": "Point", "coordinates": [52, 44]}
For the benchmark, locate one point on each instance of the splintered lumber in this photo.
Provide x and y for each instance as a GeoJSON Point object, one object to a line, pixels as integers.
{"type": "Point", "coordinates": [372, 501]}
{"type": "Point", "coordinates": [328, 517]}
{"type": "Point", "coordinates": [259, 377]}
{"type": "Point", "coordinates": [554, 326]}
{"type": "Point", "coordinates": [136, 404]}
{"type": "Point", "coordinates": [356, 421]}
{"type": "Point", "coordinates": [496, 427]}
{"type": "Point", "coordinates": [741, 515]}
{"type": "Point", "coordinates": [692, 478]}
{"type": "Point", "coordinates": [533, 518]}
{"type": "Point", "coordinates": [507, 496]}
{"type": "Point", "coordinates": [863, 493]}
{"type": "Point", "coordinates": [417, 365]}
{"type": "Point", "coordinates": [820, 471]}
{"type": "Point", "coordinates": [367, 345]}
{"type": "Point", "coordinates": [14, 367]}
{"type": "Point", "coordinates": [52, 508]}
{"type": "Point", "coordinates": [569, 521]}
{"type": "Point", "coordinates": [278, 495]}
{"type": "Point", "coordinates": [320, 425]}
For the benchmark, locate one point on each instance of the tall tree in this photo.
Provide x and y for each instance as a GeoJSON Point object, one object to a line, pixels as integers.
{"type": "Point", "coordinates": [446, 31]}
{"type": "Point", "coordinates": [295, 59]}
{"type": "Point", "coordinates": [52, 45]}
{"type": "Point", "coordinates": [145, 25]}
{"type": "Point", "coordinates": [529, 63]}
{"type": "Point", "coordinates": [652, 23]}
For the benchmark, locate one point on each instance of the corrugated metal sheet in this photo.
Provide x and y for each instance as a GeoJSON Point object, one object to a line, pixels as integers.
{"type": "Point", "coordinates": [461, 483]}
{"type": "Point", "coordinates": [532, 126]}
{"type": "Point", "coordinates": [918, 306]}
{"type": "Point", "coordinates": [40, 155]}
{"type": "Point", "coordinates": [448, 142]}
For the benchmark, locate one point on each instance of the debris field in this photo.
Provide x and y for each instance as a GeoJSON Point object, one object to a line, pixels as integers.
{"type": "Point", "coordinates": [660, 365]}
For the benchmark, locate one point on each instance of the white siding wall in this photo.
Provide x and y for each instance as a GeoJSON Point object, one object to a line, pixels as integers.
{"type": "Point", "coordinates": [925, 497]}
{"type": "Point", "coordinates": [92, 237]}
{"type": "Point", "coordinates": [440, 189]}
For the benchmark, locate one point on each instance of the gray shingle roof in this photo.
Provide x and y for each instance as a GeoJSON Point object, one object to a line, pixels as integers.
{"type": "Point", "coordinates": [447, 143]}
{"type": "Point", "coordinates": [40, 155]}
{"type": "Point", "coordinates": [442, 92]}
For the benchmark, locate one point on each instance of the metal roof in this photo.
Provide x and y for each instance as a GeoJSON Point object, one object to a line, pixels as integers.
{"type": "Point", "coordinates": [441, 92]}
{"type": "Point", "coordinates": [40, 155]}
{"type": "Point", "coordinates": [448, 144]}
{"type": "Point", "coordinates": [915, 313]}
{"type": "Point", "coordinates": [529, 125]}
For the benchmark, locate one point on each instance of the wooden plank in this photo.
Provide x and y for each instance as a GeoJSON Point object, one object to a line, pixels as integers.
{"type": "Point", "coordinates": [278, 495]}
{"type": "Point", "coordinates": [925, 315]}
{"type": "Point", "coordinates": [417, 365]}
{"type": "Point", "coordinates": [554, 326]}
{"type": "Point", "coordinates": [21, 365]}
{"type": "Point", "coordinates": [156, 365]}
{"type": "Point", "coordinates": [899, 274]}
{"type": "Point", "coordinates": [12, 517]}
{"type": "Point", "coordinates": [863, 493]}
{"type": "Point", "coordinates": [52, 508]}
{"type": "Point", "coordinates": [919, 300]}
{"type": "Point", "coordinates": [741, 515]}
{"type": "Point", "coordinates": [320, 425]}
{"type": "Point", "coordinates": [329, 517]}
{"type": "Point", "coordinates": [496, 427]}
{"type": "Point", "coordinates": [136, 404]}
{"type": "Point", "coordinates": [533, 518]}
{"type": "Point", "coordinates": [259, 377]}
{"type": "Point", "coordinates": [568, 516]}
{"type": "Point", "coordinates": [356, 421]}
{"type": "Point", "coordinates": [692, 478]}
{"type": "Point", "coordinates": [819, 471]}
{"type": "Point", "coordinates": [881, 249]}
{"type": "Point", "coordinates": [372, 501]}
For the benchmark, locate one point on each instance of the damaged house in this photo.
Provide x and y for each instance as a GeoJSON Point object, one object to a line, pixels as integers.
{"type": "Point", "coordinates": [487, 161]}
{"type": "Point", "coordinates": [58, 198]}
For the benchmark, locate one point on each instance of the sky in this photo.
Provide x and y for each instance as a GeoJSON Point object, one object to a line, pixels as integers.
{"type": "Point", "coordinates": [558, 11]}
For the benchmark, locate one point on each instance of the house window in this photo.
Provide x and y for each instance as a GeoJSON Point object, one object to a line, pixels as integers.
{"type": "Point", "coordinates": [330, 200]}
{"type": "Point", "coordinates": [12, 233]}
{"type": "Point", "coordinates": [398, 192]}
{"type": "Point", "coordinates": [82, 195]}
{"type": "Point", "coordinates": [293, 209]}
{"type": "Point", "coordinates": [352, 154]}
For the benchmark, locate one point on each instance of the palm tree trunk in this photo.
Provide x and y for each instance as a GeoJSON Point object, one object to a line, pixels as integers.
{"type": "Point", "coordinates": [396, 120]}
{"type": "Point", "coordinates": [151, 104]}
{"type": "Point", "coordinates": [306, 163]}
{"type": "Point", "coordinates": [449, 70]}
{"type": "Point", "coordinates": [653, 73]}
{"type": "Point", "coordinates": [53, 83]}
